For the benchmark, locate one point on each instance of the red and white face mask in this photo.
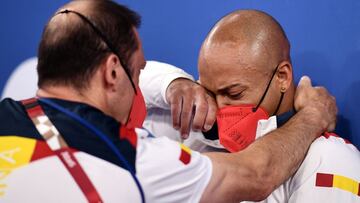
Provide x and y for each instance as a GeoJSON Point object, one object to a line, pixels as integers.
{"type": "Point", "coordinates": [237, 125]}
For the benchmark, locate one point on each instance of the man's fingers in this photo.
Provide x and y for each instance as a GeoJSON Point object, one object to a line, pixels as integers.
{"type": "Point", "coordinates": [176, 112]}
{"type": "Point", "coordinates": [201, 109]}
{"type": "Point", "coordinates": [318, 98]}
{"type": "Point", "coordinates": [211, 113]}
{"type": "Point", "coordinates": [305, 81]}
{"type": "Point", "coordinates": [304, 90]}
{"type": "Point", "coordinates": [195, 109]}
{"type": "Point", "coordinates": [186, 113]}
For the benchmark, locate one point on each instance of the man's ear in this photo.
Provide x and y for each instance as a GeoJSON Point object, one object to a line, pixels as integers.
{"type": "Point", "coordinates": [284, 75]}
{"type": "Point", "coordinates": [111, 71]}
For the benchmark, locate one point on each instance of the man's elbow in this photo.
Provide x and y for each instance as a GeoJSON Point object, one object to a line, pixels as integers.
{"type": "Point", "coordinates": [256, 189]}
{"type": "Point", "coordinates": [262, 190]}
{"type": "Point", "coordinates": [264, 180]}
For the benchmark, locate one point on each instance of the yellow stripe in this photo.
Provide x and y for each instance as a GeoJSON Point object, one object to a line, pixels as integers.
{"type": "Point", "coordinates": [185, 148]}
{"type": "Point", "coordinates": [346, 183]}
{"type": "Point", "coordinates": [15, 151]}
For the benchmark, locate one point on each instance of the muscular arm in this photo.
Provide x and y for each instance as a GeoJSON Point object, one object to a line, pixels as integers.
{"type": "Point", "coordinates": [255, 172]}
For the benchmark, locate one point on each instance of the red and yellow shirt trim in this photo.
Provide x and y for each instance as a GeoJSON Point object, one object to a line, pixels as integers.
{"type": "Point", "coordinates": [338, 181]}
{"type": "Point", "coordinates": [18, 151]}
{"type": "Point", "coordinates": [185, 154]}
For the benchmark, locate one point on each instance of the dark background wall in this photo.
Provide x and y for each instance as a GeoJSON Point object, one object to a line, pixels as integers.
{"type": "Point", "coordinates": [325, 38]}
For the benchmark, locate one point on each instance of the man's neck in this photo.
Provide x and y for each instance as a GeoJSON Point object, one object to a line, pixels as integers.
{"type": "Point", "coordinates": [288, 101]}
{"type": "Point", "coordinates": [70, 94]}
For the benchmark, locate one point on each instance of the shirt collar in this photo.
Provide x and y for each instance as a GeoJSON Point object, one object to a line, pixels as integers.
{"type": "Point", "coordinates": [284, 117]}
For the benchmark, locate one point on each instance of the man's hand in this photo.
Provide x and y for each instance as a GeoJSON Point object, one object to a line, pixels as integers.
{"type": "Point", "coordinates": [190, 105]}
{"type": "Point", "coordinates": [319, 102]}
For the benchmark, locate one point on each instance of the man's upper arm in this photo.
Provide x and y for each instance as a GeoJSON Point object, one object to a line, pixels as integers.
{"type": "Point", "coordinates": [234, 179]}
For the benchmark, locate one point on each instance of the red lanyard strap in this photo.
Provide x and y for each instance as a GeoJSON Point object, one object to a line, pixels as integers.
{"type": "Point", "coordinates": [58, 145]}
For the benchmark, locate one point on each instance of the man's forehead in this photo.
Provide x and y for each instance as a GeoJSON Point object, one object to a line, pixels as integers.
{"type": "Point", "coordinates": [222, 65]}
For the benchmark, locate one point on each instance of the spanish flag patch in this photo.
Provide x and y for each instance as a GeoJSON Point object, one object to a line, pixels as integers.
{"type": "Point", "coordinates": [185, 154]}
{"type": "Point", "coordinates": [338, 181]}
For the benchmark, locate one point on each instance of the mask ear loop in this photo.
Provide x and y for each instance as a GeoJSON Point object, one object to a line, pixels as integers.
{"type": "Point", "coordinates": [267, 88]}
{"type": "Point", "coordinates": [279, 104]}
{"type": "Point", "coordinates": [104, 38]}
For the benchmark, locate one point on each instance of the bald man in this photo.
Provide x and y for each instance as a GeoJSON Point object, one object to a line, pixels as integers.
{"type": "Point", "coordinates": [245, 62]}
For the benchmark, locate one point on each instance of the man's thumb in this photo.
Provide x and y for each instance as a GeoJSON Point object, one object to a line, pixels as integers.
{"type": "Point", "coordinates": [305, 81]}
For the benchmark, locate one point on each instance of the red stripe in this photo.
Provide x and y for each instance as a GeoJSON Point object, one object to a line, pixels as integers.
{"type": "Point", "coordinates": [328, 135]}
{"type": "Point", "coordinates": [129, 134]}
{"type": "Point", "coordinates": [41, 150]}
{"type": "Point", "coordinates": [28, 101]}
{"type": "Point", "coordinates": [79, 175]}
{"type": "Point", "coordinates": [65, 155]}
{"type": "Point", "coordinates": [36, 111]}
{"type": "Point", "coordinates": [32, 111]}
{"type": "Point", "coordinates": [359, 189]}
{"type": "Point", "coordinates": [185, 157]}
{"type": "Point", "coordinates": [324, 180]}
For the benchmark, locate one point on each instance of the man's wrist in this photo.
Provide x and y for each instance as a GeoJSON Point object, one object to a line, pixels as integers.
{"type": "Point", "coordinates": [171, 78]}
{"type": "Point", "coordinates": [313, 118]}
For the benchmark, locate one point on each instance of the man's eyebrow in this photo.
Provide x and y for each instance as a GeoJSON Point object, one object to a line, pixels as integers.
{"type": "Point", "coordinates": [208, 91]}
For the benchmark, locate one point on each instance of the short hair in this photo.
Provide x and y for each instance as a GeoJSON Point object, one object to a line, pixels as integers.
{"type": "Point", "coordinates": [70, 51]}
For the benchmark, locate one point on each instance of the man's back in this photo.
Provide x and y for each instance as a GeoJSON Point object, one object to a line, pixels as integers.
{"type": "Point", "coordinates": [26, 158]}
{"type": "Point", "coordinates": [30, 168]}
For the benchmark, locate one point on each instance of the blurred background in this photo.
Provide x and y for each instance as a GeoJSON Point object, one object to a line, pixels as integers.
{"type": "Point", "coordinates": [324, 34]}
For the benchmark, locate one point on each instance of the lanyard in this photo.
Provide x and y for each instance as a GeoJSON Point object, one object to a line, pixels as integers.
{"type": "Point", "coordinates": [102, 136]}
{"type": "Point", "coordinates": [58, 145]}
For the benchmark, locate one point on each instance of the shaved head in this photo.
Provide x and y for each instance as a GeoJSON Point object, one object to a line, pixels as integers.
{"type": "Point", "coordinates": [258, 31]}
{"type": "Point", "coordinates": [240, 54]}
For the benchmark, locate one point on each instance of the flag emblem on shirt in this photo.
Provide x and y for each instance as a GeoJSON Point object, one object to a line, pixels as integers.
{"type": "Point", "coordinates": [14, 152]}
{"type": "Point", "coordinates": [185, 154]}
{"type": "Point", "coordinates": [338, 181]}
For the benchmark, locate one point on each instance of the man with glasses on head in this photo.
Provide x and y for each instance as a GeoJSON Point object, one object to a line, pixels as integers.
{"type": "Point", "coordinates": [245, 63]}
{"type": "Point", "coordinates": [76, 140]}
